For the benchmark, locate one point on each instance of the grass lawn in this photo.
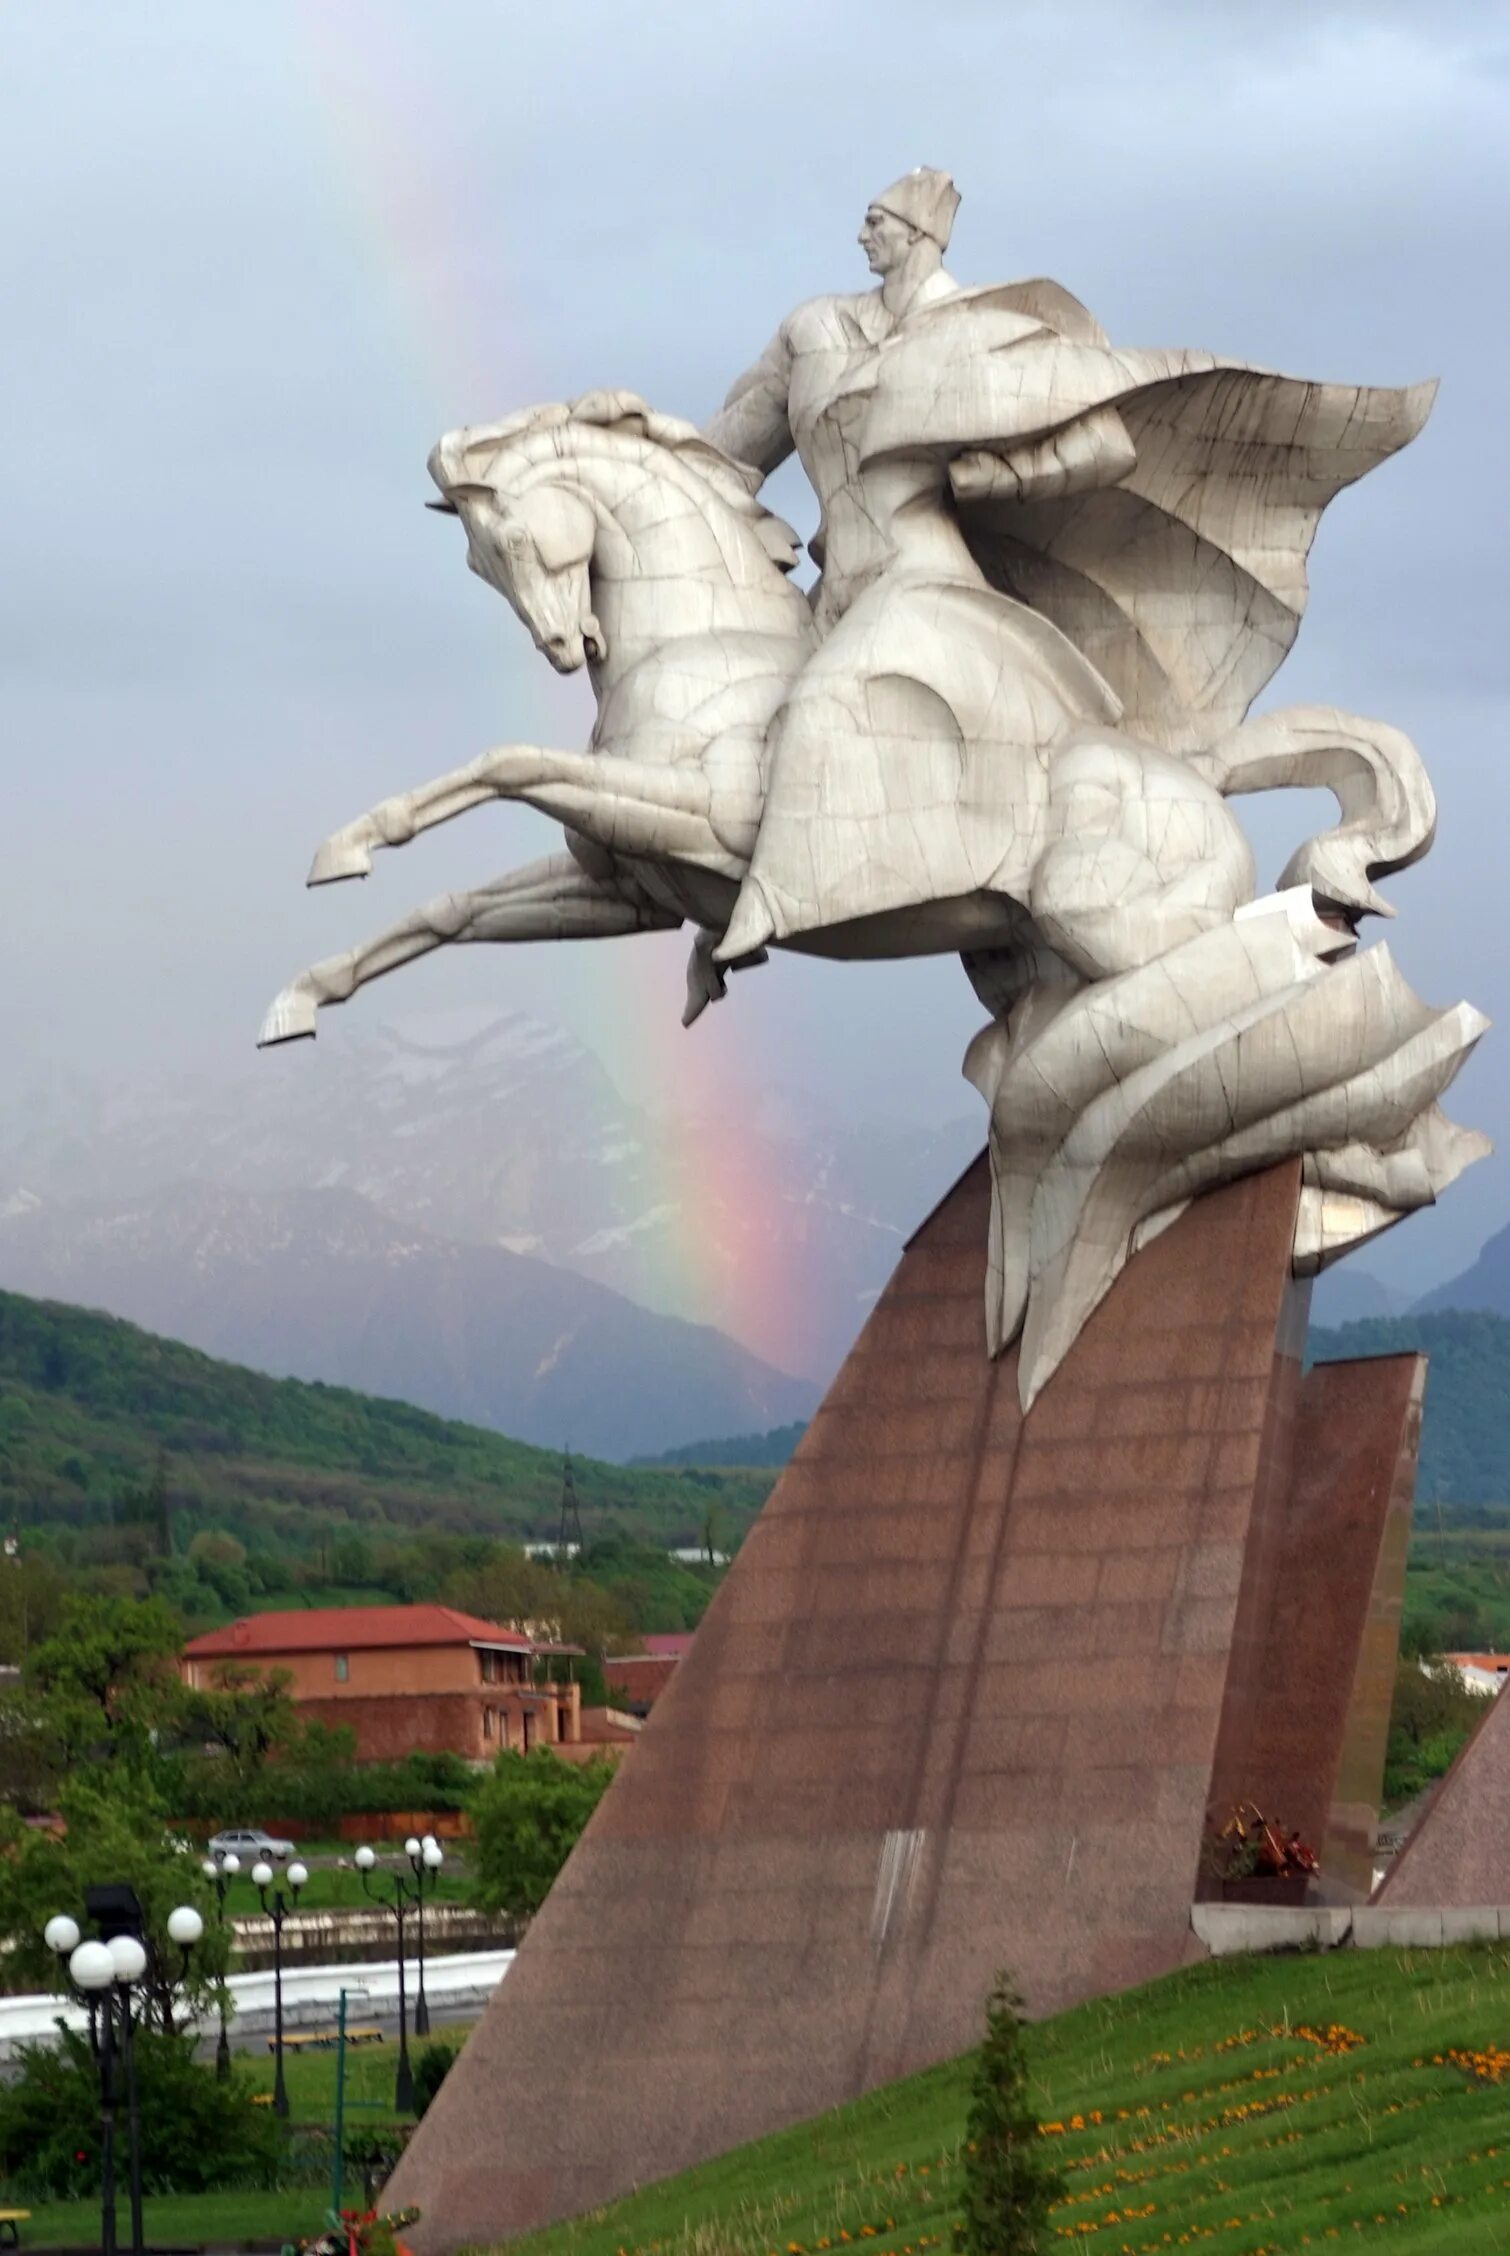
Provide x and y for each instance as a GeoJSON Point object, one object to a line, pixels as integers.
{"type": "Point", "coordinates": [182, 2220]}
{"type": "Point", "coordinates": [311, 2076]}
{"type": "Point", "coordinates": [330, 1889]}
{"type": "Point", "coordinates": [1259, 2106]}
{"type": "Point", "coordinates": [1272, 2105]}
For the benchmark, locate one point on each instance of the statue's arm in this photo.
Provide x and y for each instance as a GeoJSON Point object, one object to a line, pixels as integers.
{"type": "Point", "coordinates": [1091, 450]}
{"type": "Point", "coordinates": [752, 424]}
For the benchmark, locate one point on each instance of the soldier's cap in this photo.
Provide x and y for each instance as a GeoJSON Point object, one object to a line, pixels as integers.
{"type": "Point", "coordinates": [925, 199]}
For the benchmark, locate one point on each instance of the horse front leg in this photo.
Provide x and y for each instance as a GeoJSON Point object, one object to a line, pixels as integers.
{"type": "Point", "coordinates": [348, 852]}
{"type": "Point", "coordinates": [645, 807]}
{"type": "Point", "coordinates": [553, 899]}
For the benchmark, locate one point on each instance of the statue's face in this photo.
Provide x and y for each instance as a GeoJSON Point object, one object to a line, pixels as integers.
{"type": "Point", "coordinates": [884, 239]}
{"type": "Point", "coordinates": [536, 549]}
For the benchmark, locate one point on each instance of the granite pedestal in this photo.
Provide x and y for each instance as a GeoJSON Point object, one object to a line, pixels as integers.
{"type": "Point", "coordinates": [963, 1702]}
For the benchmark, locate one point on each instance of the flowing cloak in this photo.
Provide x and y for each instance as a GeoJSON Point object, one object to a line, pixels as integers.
{"type": "Point", "coordinates": [1157, 508]}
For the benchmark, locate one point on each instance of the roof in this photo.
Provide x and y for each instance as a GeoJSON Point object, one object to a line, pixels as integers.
{"type": "Point", "coordinates": [348, 1629]}
{"type": "Point", "coordinates": [668, 1645]}
{"type": "Point", "coordinates": [1493, 1664]}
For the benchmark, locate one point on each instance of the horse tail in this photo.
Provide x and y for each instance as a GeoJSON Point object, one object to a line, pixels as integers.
{"type": "Point", "coordinates": [1388, 807]}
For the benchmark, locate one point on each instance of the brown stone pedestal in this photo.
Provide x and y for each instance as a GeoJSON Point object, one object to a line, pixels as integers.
{"type": "Point", "coordinates": [961, 1703]}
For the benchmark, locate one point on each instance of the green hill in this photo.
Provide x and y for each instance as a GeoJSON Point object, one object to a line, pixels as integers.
{"type": "Point", "coordinates": [773, 1448]}
{"type": "Point", "coordinates": [1465, 1439]}
{"type": "Point", "coordinates": [1258, 2106]}
{"type": "Point", "coordinates": [87, 1403]}
{"type": "Point", "coordinates": [1465, 1450]}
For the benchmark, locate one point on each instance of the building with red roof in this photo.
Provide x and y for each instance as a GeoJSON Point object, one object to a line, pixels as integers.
{"type": "Point", "coordinates": [640, 1678]}
{"type": "Point", "coordinates": [407, 1679]}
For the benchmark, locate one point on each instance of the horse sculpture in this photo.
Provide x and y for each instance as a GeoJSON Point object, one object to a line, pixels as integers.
{"type": "Point", "coordinates": [1067, 860]}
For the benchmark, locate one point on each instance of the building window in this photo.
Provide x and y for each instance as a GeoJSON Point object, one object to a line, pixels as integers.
{"type": "Point", "coordinates": [487, 1723]}
{"type": "Point", "coordinates": [343, 1668]}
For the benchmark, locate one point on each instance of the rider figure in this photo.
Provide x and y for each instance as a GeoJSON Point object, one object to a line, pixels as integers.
{"type": "Point", "coordinates": [811, 386]}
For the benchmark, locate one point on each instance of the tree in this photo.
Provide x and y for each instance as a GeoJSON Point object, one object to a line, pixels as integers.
{"type": "Point", "coordinates": [245, 1718]}
{"type": "Point", "coordinates": [32, 1597]}
{"type": "Point", "coordinates": [196, 2131]}
{"type": "Point", "coordinates": [527, 1816]}
{"type": "Point", "coordinates": [117, 1829]}
{"type": "Point", "coordinates": [510, 1588]}
{"type": "Point", "coordinates": [314, 1779]}
{"type": "Point", "coordinates": [33, 1754]}
{"type": "Point", "coordinates": [1010, 2182]}
{"type": "Point", "coordinates": [109, 1676]}
{"type": "Point", "coordinates": [1434, 1710]}
{"type": "Point", "coordinates": [219, 1562]}
{"type": "Point", "coordinates": [593, 1618]}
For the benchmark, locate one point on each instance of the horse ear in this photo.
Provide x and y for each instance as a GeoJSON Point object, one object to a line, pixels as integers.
{"type": "Point", "coordinates": [611, 408]}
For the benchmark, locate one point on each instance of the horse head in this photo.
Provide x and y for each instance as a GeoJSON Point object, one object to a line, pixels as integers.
{"type": "Point", "coordinates": [536, 491]}
{"type": "Point", "coordinates": [530, 533]}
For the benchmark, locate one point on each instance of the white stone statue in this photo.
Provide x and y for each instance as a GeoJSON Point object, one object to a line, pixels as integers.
{"type": "Point", "coordinates": [1005, 723]}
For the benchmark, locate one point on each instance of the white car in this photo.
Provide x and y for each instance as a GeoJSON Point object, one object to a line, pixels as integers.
{"type": "Point", "coordinates": [249, 1844]}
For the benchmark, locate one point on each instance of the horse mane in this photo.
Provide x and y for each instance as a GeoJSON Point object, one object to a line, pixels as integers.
{"type": "Point", "coordinates": [465, 454]}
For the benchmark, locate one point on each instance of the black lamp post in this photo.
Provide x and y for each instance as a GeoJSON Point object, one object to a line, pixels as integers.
{"type": "Point", "coordinates": [277, 1906]}
{"type": "Point", "coordinates": [220, 1871]}
{"type": "Point", "coordinates": [425, 1859]}
{"type": "Point", "coordinates": [103, 1974]}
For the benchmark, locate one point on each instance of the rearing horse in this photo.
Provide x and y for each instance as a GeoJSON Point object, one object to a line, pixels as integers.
{"type": "Point", "coordinates": [628, 544]}
{"type": "Point", "coordinates": [625, 542]}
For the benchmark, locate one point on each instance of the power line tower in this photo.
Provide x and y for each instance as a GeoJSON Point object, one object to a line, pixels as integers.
{"type": "Point", "coordinates": [570, 1530]}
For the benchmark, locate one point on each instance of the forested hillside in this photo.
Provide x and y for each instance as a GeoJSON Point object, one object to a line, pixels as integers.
{"type": "Point", "coordinates": [773, 1448]}
{"type": "Point", "coordinates": [1465, 1441]}
{"type": "Point", "coordinates": [89, 1405]}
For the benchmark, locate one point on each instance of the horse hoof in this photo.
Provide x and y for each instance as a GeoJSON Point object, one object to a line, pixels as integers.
{"type": "Point", "coordinates": [291, 1019]}
{"type": "Point", "coordinates": [339, 858]}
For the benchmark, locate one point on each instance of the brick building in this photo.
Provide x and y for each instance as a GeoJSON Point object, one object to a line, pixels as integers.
{"type": "Point", "coordinates": [406, 1679]}
{"type": "Point", "coordinates": [639, 1678]}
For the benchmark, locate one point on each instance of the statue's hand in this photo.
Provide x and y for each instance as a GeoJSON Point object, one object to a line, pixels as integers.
{"type": "Point", "coordinates": [1094, 450]}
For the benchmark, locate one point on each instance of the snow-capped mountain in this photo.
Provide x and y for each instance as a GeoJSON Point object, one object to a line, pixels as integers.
{"type": "Point", "coordinates": [482, 1131]}
{"type": "Point", "coordinates": [316, 1284]}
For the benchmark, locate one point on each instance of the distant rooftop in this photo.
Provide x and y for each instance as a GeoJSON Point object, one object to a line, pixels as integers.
{"type": "Point", "coordinates": [665, 1645]}
{"type": "Point", "coordinates": [349, 1629]}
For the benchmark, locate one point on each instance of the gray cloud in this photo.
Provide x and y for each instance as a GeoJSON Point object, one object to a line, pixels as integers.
{"type": "Point", "coordinates": [260, 257]}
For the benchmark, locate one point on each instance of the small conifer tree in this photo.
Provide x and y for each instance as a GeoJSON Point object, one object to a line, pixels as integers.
{"type": "Point", "coordinates": [1010, 2182]}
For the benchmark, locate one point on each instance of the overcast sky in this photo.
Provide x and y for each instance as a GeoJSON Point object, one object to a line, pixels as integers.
{"type": "Point", "coordinates": [259, 256]}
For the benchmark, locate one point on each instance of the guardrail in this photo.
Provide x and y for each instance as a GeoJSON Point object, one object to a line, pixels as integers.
{"type": "Point", "coordinates": [459, 1982]}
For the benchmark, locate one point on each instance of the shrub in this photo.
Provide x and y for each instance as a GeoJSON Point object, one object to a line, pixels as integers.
{"type": "Point", "coordinates": [432, 2065]}
{"type": "Point", "coordinates": [197, 2133]}
{"type": "Point", "coordinates": [1010, 2184]}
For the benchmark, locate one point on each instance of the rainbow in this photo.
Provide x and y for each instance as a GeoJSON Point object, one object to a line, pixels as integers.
{"type": "Point", "coordinates": [719, 1246]}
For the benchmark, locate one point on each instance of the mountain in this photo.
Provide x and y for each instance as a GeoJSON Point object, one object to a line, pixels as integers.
{"type": "Point", "coordinates": [317, 1284]}
{"type": "Point", "coordinates": [1465, 1436]}
{"type": "Point", "coordinates": [498, 1131]}
{"type": "Point", "coordinates": [1484, 1284]}
{"type": "Point", "coordinates": [1345, 1294]}
{"type": "Point", "coordinates": [87, 1402]}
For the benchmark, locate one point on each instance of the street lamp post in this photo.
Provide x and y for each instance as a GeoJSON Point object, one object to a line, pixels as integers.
{"type": "Point", "coordinates": [425, 1860]}
{"type": "Point", "coordinates": [277, 1906]}
{"type": "Point", "coordinates": [426, 1857]}
{"type": "Point", "coordinates": [220, 1871]}
{"type": "Point", "coordinates": [104, 1974]}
